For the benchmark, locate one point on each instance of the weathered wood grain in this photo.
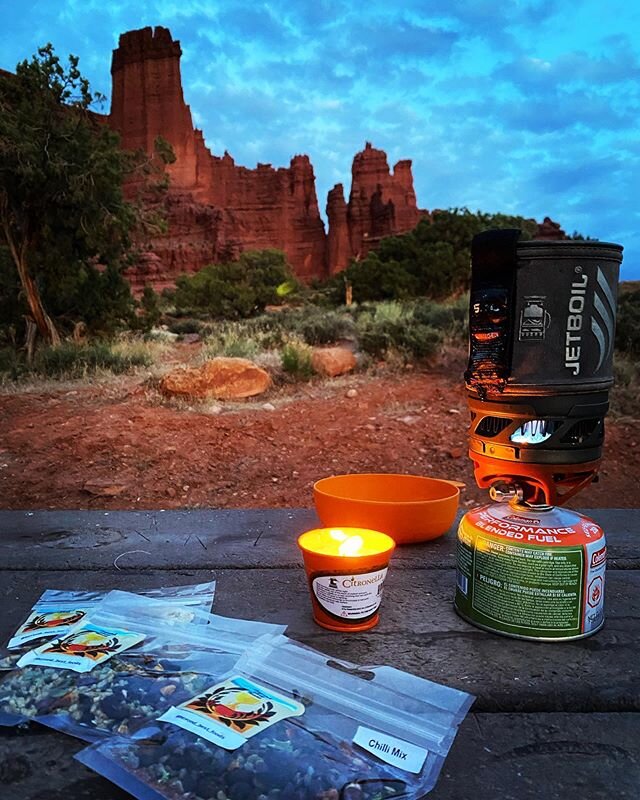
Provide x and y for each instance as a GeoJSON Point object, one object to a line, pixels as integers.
{"type": "Point", "coordinates": [419, 632]}
{"type": "Point", "coordinates": [212, 539]}
{"type": "Point", "coordinates": [550, 719]}
{"type": "Point", "coordinates": [505, 756]}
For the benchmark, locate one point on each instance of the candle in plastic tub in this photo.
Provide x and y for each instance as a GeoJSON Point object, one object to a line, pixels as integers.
{"type": "Point", "coordinates": [346, 569]}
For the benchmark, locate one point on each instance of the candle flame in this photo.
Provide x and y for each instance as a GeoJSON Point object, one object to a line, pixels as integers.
{"type": "Point", "coordinates": [351, 546]}
{"type": "Point", "coordinates": [338, 535]}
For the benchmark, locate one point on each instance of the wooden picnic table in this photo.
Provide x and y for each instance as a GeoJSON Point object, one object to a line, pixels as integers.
{"type": "Point", "coordinates": [550, 720]}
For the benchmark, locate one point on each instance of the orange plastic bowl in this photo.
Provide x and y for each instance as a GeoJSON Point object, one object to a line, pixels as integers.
{"type": "Point", "coordinates": [409, 508]}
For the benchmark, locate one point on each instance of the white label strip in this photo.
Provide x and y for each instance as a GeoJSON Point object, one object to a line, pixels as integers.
{"type": "Point", "coordinates": [392, 750]}
{"type": "Point", "coordinates": [206, 728]}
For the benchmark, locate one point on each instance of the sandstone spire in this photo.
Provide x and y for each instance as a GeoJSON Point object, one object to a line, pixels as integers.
{"type": "Point", "coordinates": [147, 99]}
{"type": "Point", "coordinates": [215, 208]}
{"type": "Point", "coordinates": [338, 245]}
{"type": "Point", "coordinates": [381, 203]}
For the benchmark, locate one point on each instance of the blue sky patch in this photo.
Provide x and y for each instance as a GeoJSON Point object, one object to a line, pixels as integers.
{"type": "Point", "coordinates": [529, 107]}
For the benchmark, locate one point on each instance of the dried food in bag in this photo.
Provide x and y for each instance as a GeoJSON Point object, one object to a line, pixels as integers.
{"type": "Point", "coordinates": [364, 733]}
{"type": "Point", "coordinates": [57, 610]}
{"type": "Point", "coordinates": [123, 688]}
{"type": "Point", "coordinates": [287, 762]}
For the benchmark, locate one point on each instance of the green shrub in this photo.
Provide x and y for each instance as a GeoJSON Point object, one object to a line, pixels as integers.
{"type": "Point", "coordinates": [392, 327]}
{"type": "Point", "coordinates": [75, 361]}
{"type": "Point", "coordinates": [389, 311]}
{"type": "Point", "coordinates": [419, 341]}
{"type": "Point", "coordinates": [101, 299]}
{"type": "Point", "coordinates": [318, 326]}
{"type": "Point", "coordinates": [12, 367]}
{"type": "Point", "coordinates": [375, 279]}
{"type": "Point", "coordinates": [628, 324]}
{"type": "Point", "coordinates": [150, 308]}
{"type": "Point", "coordinates": [450, 318]}
{"type": "Point", "coordinates": [237, 289]}
{"type": "Point", "coordinates": [296, 360]}
{"type": "Point", "coordinates": [412, 340]}
{"type": "Point", "coordinates": [377, 338]}
{"type": "Point", "coordinates": [244, 338]}
{"type": "Point", "coordinates": [437, 315]}
{"type": "Point", "coordinates": [182, 326]}
{"type": "Point", "coordinates": [270, 330]}
{"type": "Point", "coordinates": [625, 395]}
{"type": "Point", "coordinates": [11, 307]}
{"type": "Point", "coordinates": [242, 348]}
{"type": "Point", "coordinates": [69, 360]}
{"type": "Point", "coordinates": [232, 342]}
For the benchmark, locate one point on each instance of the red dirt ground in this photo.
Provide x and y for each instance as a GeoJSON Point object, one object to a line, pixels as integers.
{"type": "Point", "coordinates": [118, 434]}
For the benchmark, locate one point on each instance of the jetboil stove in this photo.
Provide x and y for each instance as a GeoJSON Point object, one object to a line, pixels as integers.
{"type": "Point", "coordinates": [541, 329]}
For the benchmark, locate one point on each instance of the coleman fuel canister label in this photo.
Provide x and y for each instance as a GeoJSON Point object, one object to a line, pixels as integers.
{"type": "Point", "coordinates": [528, 580]}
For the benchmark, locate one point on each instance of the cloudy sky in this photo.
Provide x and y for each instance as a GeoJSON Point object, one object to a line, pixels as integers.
{"type": "Point", "coordinates": [529, 107]}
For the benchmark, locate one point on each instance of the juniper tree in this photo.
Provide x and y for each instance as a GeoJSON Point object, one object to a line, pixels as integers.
{"type": "Point", "coordinates": [63, 216]}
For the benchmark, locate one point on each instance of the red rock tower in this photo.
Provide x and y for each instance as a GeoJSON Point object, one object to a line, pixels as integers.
{"type": "Point", "coordinates": [338, 244]}
{"type": "Point", "coordinates": [548, 229]}
{"type": "Point", "coordinates": [215, 208]}
{"type": "Point", "coordinates": [381, 203]}
{"type": "Point", "coordinates": [147, 99]}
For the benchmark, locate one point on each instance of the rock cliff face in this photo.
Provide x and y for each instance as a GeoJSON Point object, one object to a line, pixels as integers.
{"type": "Point", "coordinates": [215, 209]}
{"type": "Point", "coordinates": [381, 203]}
{"type": "Point", "coordinates": [548, 229]}
{"type": "Point", "coordinates": [339, 243]}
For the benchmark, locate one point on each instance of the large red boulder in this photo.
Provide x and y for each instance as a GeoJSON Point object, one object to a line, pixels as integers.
{"type": "Point", "coordinates": [219, 379]}
{"type": "Point", "coordinates": [332, 361]}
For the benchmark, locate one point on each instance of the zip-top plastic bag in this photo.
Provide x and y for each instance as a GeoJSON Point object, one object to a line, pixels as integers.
{"type": "Point", "coordinates": [290, 723]}
{"type": "Point", "coordinates": [133, 665]}
{"type": "Point", "coordinates": [58, 610]}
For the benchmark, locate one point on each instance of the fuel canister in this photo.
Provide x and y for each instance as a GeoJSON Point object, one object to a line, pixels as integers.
{"type": "Point", "coordinates": [532, 573]}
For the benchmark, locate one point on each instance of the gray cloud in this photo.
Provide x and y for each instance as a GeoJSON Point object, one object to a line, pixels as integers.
{"type": "Point", "coordinates": [539, 75]}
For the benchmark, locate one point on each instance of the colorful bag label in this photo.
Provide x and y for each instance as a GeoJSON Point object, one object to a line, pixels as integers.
{"type": "Point", "coordinates": [350, 597]}
{"type": "Point", "coordinates": [40, 624]}
{"type": "Point", "coordinates": [391, 750]}
{"type": "Point", "coordinates": [83, 649]}
{"type": "Point", "coordinates": [230, 712]}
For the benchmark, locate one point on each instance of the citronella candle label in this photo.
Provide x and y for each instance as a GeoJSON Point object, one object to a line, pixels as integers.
{"type": "Point", "coordinates": [230, 712]}
{"type": "Point", "coordinates": [83, 649]}
{"type": "Point", "coordinates": [352, 596]}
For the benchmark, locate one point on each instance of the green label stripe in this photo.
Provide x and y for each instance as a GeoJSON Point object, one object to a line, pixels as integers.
{"type": "Point", "coordinates": [529, 590]}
